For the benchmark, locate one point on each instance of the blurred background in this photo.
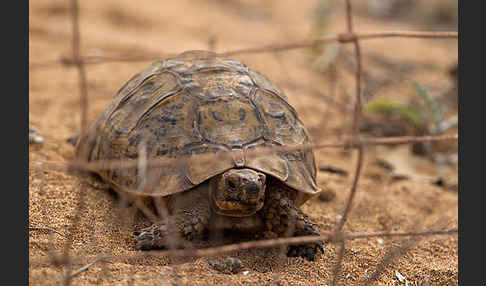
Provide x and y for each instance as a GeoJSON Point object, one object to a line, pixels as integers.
{"type": "Point", "coordinates": [409, 89]}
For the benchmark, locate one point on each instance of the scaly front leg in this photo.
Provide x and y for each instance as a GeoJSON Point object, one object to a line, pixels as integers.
{"type": "Point", "coordinates": [283, 218]}
{"type": "Point", "coordinates": [190, 217]}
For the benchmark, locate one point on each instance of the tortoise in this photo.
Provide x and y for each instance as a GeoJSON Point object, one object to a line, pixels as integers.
{"type": "Point", "coordinates": [201, 103]}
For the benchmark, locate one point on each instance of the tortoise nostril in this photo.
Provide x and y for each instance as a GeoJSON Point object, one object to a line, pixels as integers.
{"type": "Point", "coordinates": [231, 184]}
{"type": "Point", "coordinates": [252, 189]}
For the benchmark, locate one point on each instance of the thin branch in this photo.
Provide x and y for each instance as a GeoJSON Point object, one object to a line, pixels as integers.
{"type": "Point", "coordinates": [76, 44]}
{"type": "Point", "coordinates": [342, 38]}
{"type": "Point", "coordinates": [348, 142]}
{"type": "Point", "coordinates": [337, 269]}
{"type": "Point", "coordinates": [398, 234]}
{"type": "Point", "coordinates": [84, 268]}
{"type": "Point", "coordinates": [352, 193]}
{"type": "Point", "coordinates": [356, 120]}
{"type": "Point", "coordinates": [46, 229]}
{"type": "Point", "coordinates": [349, 16]}
{"type": "Point", "coordinates": [268, 243]}
{"type": "Point", "coordinates": [392, 254]}
{"type": "Point", "coordinates": [74, 225]}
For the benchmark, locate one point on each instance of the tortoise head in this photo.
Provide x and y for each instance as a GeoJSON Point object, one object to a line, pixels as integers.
{"type": "Point", "coordinates": [237, 192]}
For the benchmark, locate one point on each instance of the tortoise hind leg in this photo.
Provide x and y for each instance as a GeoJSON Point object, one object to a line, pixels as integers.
{"type": "Point", "coordinates": [284, 218]}
{"type": "Point", "coordinates": [190, 213]}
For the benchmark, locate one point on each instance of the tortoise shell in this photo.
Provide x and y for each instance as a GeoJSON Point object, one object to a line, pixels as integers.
{"type": "Point", "coordinates": [198, 103]}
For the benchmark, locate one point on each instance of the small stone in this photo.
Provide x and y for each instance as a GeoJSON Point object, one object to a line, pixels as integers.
{"type": "Point", "coordinates": [399, 276]}
{"type": "Point", "coordinates": [37, 139]}
{"type": "Point", "coordinates": [34, 136]}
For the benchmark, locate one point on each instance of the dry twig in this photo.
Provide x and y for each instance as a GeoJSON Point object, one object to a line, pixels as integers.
{"type": "Point", "coordinates": [268, 243]}
{"type": "Point", "coordinates": [347, 142]}
{"type": "Point", "coordinates": [392, 254]}
{"type": "Point", "coordinates": [353, 141]}
{"type": "Point", "coordinates": [84, 268]}
{"type": "Point", "coordinates": [342, 38]}
{"type": "Point", "coordinates": [46, 229]}
{"type": "Point", "coordinates": [356, 120]}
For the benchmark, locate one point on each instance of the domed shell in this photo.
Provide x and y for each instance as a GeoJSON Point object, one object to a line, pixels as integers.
{"type": "Point", "coordinates": [198, 103]}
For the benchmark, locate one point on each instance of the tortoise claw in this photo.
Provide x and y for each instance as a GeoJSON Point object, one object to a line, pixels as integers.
{"type": "Point", "coordinates": [151, 237]}
{"type": "Point", "coordinates": [144, 241]}
{"type": "Point", "coordinates": [306, 251]}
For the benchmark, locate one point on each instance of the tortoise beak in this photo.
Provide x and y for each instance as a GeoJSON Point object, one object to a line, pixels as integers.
{"type": "Point", "coordinates": [235, 208]}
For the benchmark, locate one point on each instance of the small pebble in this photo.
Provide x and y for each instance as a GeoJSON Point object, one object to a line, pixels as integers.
{"type": "Point", "coordinates": [399, 276]}
{"type": "Point", "coordinates": [34, 136]}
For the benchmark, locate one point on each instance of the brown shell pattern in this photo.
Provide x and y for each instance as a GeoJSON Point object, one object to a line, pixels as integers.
{"type": "Point", "coordinates": [198, 103]}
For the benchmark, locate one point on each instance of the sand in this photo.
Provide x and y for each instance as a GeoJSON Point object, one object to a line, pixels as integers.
{"type": "Point", "coordinates": [382, 203]}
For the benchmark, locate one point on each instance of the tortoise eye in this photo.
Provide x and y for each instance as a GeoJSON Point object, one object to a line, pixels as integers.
{"type": "Point", "coordinates": [231, 184]}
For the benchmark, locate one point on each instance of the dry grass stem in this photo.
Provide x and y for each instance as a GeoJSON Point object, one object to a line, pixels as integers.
{"type": "Point", "coordinates": [48, 229]}
{"type": "Point", "coordinates": [84, 268]}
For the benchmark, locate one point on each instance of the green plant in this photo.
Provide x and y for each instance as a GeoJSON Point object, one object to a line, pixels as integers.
{"type": "Point", "coordinates": [434, 113]}
{"type": "Point", "coordinates": [388, 106]}
{"type": "Point", "coordinates": [428, 119]}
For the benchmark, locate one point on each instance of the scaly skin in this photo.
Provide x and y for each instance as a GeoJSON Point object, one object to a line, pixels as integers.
{"type": "Point", "coordinates": [190, 214]}
{"type": "Point", "coordinates": [192, 211]}
{"type": "Point", "coordinates": [283, 218]}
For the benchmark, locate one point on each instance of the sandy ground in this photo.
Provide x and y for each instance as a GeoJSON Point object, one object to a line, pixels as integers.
{"type": "Point", "coordinates": [382, 203]}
